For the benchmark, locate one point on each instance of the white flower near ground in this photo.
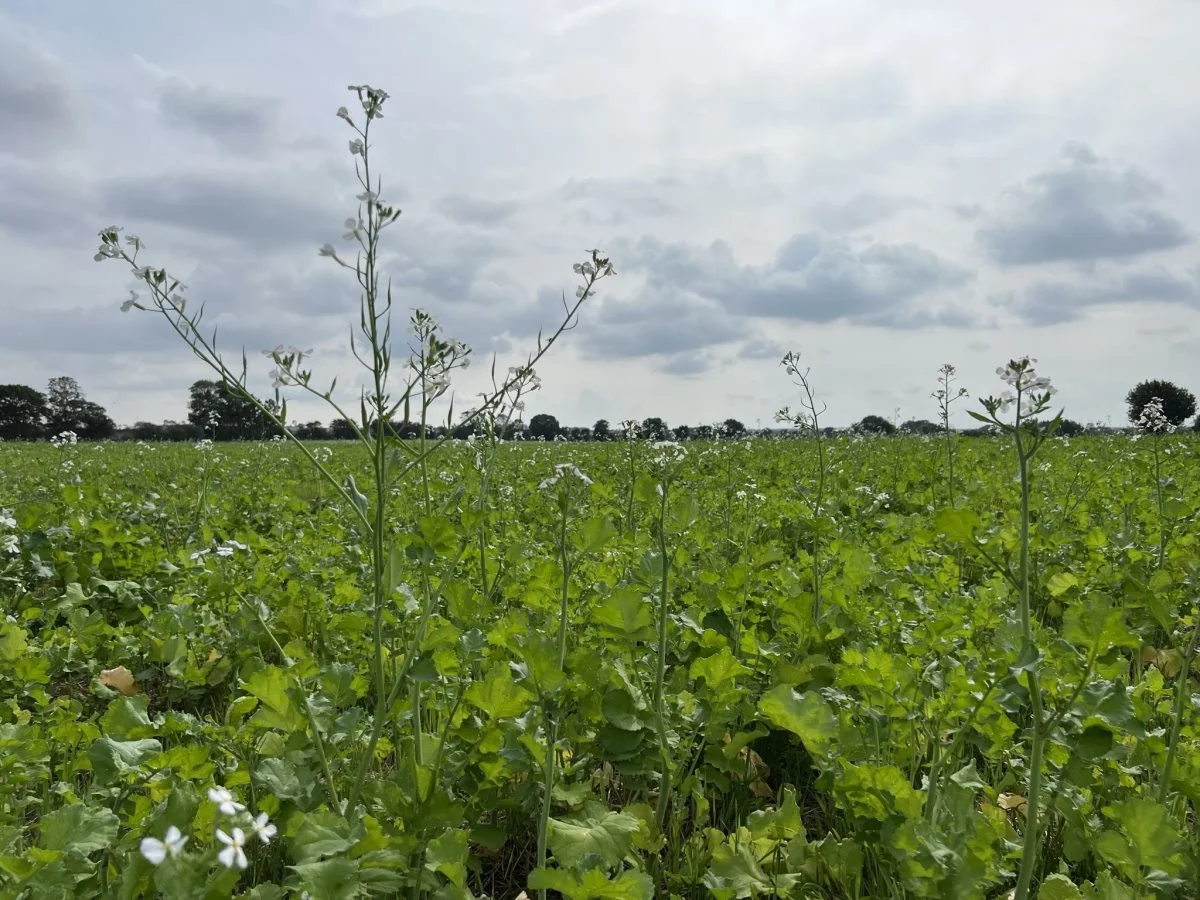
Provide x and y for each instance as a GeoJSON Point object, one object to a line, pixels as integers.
{"type": "Point", "coordinates": [233, 855]}
{"type": "Point", "coordinates": [155, 851]}
{"type": "Point", "coordinates": [262, 828]}
{"type": "Point", "coordinates": [225, 801]}
{"type": "Point", "coordinates": [561, 470]}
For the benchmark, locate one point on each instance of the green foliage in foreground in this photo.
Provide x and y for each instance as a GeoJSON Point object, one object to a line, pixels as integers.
{"type": "Point", "coordinates": [876, 748]}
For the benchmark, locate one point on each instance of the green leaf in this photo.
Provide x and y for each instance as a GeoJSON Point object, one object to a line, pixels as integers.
{"type": "Point", "coordinates": [499, 695]}
{"type": "Point", "coordinates": [593, 885]}
{"type": "Point", "coordinates": [13, 643]}
{"type": "Point", "coordinates": [1152, 839]}
{"type": "Point", "coordinates": [323, 833]}
{"type": "Point", "coordinates": [1093, 622]}
{"type": "Point", "coordinates": [737, 871]}
{"type": "Point", "coordinates": [781, 824]}
{"type": "Point", "coordinates": [1059, 887]}
{"type": "Point", "coordinates": [959, 525]}
{"type": "Point", "coordinates": [127, 717]}
{"type": "Point", "coordinates": [330, 879]}
{"type": "Point", "coordinates": [276, 709]}
{"type": "Point", "coordinates": [83, 829]}
{"type": "Point", "coordinates": [620, 711]}
{"type": "Point", "coordinates": [718, 669]}
{"type": "Point", "coordinates": [1108, 703]}
{"type": "Point", "coordinates": [596, 836]}
{"type": "Point", "coordinates": [594, 534]}
{"type": "Point", "coordinates": [806, 715]}
{"type": "Point", "coordinates": [280, 778]}
{"type": "Point", "coordinates": [1060, 583]}
{"type": "Point", "coordinates": [110, 758]}
{"type": "Point", "coordinates": [447, 855]}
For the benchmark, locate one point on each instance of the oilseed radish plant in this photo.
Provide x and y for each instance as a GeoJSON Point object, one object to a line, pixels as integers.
{"type": "Point", "coordinates": [800, 666]}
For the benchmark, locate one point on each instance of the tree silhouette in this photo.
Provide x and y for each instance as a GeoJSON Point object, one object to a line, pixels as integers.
{"type": "Point", "coordinates": [1178, 403]}
{"type": "Point", "coordinates": [544, 426]}
{"type": "Point", "coordinates": [23, 412]}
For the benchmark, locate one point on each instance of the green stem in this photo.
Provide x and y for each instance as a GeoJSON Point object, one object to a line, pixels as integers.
{"type": "Point", "coordinates": [660, 709]}
{"type": "Point", "coordinates": [1029, 851]}
{"type": "Point", "coordinates": [1177, 714]}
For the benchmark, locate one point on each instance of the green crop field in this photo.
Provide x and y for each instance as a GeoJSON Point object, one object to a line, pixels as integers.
{"type": "Point", "coordinates": [753, 668]}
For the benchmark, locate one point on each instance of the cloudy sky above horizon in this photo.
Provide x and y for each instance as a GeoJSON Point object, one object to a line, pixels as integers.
{"type": "Point", "coordinates": [881, 189]}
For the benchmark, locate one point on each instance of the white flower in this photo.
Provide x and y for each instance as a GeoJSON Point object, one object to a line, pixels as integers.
{"type": "Point", "coordinates": [356, 147]}
{"type": "Point", "coordinates": [226, 802]}
{"type": "Point", "coordinates": [131, 302]}
{"type": "Point", "coordinates": [171, 845]}
{"type": "Point", "coordinates": [233, 855]}
{"type": "Point", "coordinates": [9, 544]}
{"type": "Point", "coordinates": [262, 828]}
{"type": "Point", "coordinates": [6, 519]}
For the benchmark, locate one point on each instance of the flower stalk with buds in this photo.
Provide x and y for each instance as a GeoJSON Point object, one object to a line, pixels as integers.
{"type": "Point", "coordinates": [1029, 396]}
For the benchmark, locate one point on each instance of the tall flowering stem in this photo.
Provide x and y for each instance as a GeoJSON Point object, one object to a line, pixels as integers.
{"type": "Point", "coordinates": [567, 486]}
{"type": "Point", "coordinates": [1153, 421]}
{"type": "Point", "coordinates": [945, 395]}
{"type": "Point", "coordinates": [432, 362]}
{"type": "Point", "coordinates": [1030, 396]}
{"type": "Point", "coordinates": [807, 419]}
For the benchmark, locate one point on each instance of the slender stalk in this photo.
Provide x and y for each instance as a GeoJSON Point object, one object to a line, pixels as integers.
{"type": "Point", "coordinates": [550, 773]}
{"type": "Point", "coordinates": [660, 708]}
{"type": "Point", "coordinates": [1029, 849]}
{"type": "Point", "coordinates": [1181, 694]}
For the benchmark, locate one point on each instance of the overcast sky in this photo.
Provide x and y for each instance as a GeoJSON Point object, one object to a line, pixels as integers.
{"type": "Point", "coordinates": [882, 187]}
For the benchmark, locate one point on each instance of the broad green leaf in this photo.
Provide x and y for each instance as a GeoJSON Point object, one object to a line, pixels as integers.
{"type": "Point", "coordinates": [447, 854]}
{"type": "Point", "coordinates": [1060, 583]}
{"type": "Point", "coordinates": [594, 534]}
{"type": "Point", "coordinates": [780, 824]}
{"type": "Point", "coordinates": [806, 715]}
{"type": "Point", "coordinates": [620, 711]}
{"type": "Point", "coordinates": [597, 836]}
{"type": "Point", "coordinates": [330, 879]}
{"type": "Point", "coordinates": [111, 757]}
{"type": "Point", "coordinates": [80, 828]}
{"type": "Point", "coordinates": [958, 524]}
{"type": "Point", "coordinates": [276, 709]}
{"type": "Point", "coordinates": [593, 884]}
{"type": "Point", "coordinates": [499, 695]}
{"type": "Point", "coordinates": [719, 668]}
{"type": "Point", "coordinates": [1058, 887]}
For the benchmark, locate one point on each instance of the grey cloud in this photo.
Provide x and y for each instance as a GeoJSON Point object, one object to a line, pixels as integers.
{"type": "Point", "coordinates": [692, 363]}
{"type": "Point", "coordinates": [865, 208]}
{"type": "Point", "coordinates": [1083, 208]}
{"type": "Point", "coordinates": [475, 210]}
{"type": "Point", "coordinates": [659, 322]}
{"type": "Point", "coordinates": [247, 207]}
{"type": "Point", "coordinates": [37, 101]}
{"type": "Point", "coordinates": [45, 204]}
{"type": "Point", "coordinates": [810, 279]}
{"type": "Point", "coordinates": [242, 123]}
{"type": "Point", "coordinates": [1055, 302]}
{"type": "Point", "coordinates": [762, 348]}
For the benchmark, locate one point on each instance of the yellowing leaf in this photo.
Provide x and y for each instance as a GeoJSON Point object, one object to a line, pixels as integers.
{"type": "Point", "coordinates": [119, 679]}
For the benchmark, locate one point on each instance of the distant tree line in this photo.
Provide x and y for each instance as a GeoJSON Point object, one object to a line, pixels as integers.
{"type": "Point", "coordinates": [218, 413]}
{"type": "Point", "coordinates": [27, 414]}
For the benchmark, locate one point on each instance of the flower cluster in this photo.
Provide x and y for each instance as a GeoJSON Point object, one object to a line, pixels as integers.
{"type": "Point", "coordinates": [1031, 392]}
{"type": "Point", "coordinates": [560, 471]}
{"type": "Point", "coordinates": [233, 851]}
{"type": "Point", "coordinates": [64, 438]}
{"type": "Point", "coordinates": [8, 542]}
{"type": "Point", "coordinates": [1153, 419]}
{"type": "Point", "coordinates": [225, 549]}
